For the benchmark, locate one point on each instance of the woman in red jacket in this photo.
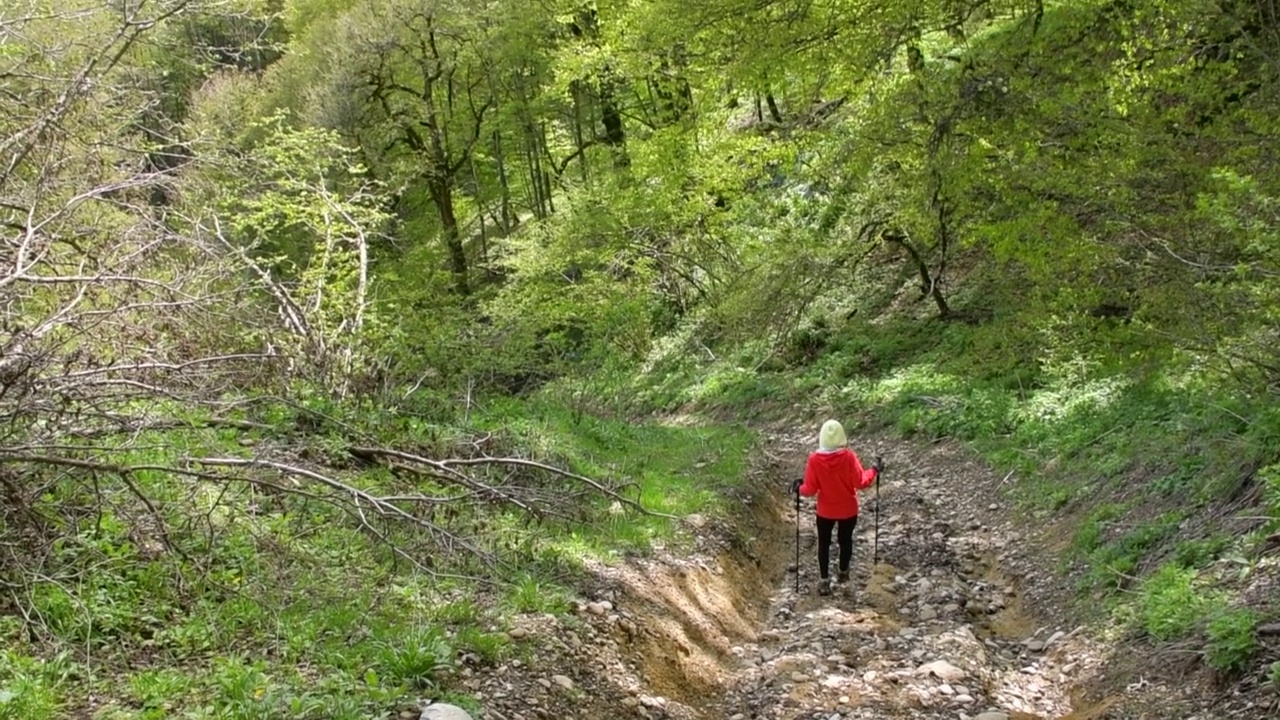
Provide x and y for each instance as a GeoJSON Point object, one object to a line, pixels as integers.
{"type": "Point", "coordinates": [835, 474]}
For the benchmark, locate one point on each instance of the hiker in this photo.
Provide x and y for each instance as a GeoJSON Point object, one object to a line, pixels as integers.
{"type": "Point", "coordinates": [835, 474]}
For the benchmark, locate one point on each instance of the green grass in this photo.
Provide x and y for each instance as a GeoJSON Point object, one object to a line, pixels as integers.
{"type": "Point", "coordinates": [1110, 564]}
{"type": "Point", "coordinates": [670, 468]}
{"type": "Point", "coordinates": [33, 688]}
{"type": "Point", "coordinates": [1090, 533]}
{"type": "Point", "coordinates": [415, 657]}
{"type": "Point", "coordinates": [530, 594]}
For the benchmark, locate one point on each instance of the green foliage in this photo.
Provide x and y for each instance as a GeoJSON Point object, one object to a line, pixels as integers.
{"type": "Point", "coordinates": [675, 468]}
{"type": "Point", "coordinates": [486, 646]}
{"type": "Point", "coordinates": [298, 206]}
{"type": "Point", "coordinates": [1197, 554]}
{"type": "Point", "coordinates": [1090, 533]}
{"type": "Point", "coordinates": [1170, 603]}
{"type": "Point", "coordinates": [1232, 640]}
{"type": "Point", "coordinates": [415, 658]}
{"type": "Point", "coordinates": [530, 594]}
{"type": "Point", "coordinates": [1269, 478]}
{"type": "Point", "coordinates": [33, 689]}
{"type": "Point", "coordinates": [1110, 564]}
{"type": "Point", "coordinates": [159, 691]}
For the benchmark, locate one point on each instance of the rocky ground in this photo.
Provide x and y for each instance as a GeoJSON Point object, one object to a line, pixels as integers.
{"type": "Point", "coordinates": [955, 621]}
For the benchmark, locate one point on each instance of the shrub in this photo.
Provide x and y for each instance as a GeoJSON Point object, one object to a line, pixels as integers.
{"type": "Point", "coordinates": [1169, 603]}
{"type": "Point", "coordinates": [1232, 640]}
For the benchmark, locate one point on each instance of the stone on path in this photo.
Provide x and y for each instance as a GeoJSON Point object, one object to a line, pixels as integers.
{"type": "Point", "coordinates": [992, 716]}
{"type": "Point", "coordinates": [563, 681]}
{"type": "Point", "coordinates": [943, 670]}
{"type": "Point", "coordinates": [445, 711]}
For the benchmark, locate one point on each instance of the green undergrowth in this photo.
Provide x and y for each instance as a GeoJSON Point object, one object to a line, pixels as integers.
{"type": "Point", "coordinates": [256, 601]}
{"type": "Point", "coordinates": [670, 468]}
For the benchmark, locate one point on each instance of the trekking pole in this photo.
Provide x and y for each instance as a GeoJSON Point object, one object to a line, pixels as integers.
{"type": "Point", "coordinates": [797, 540]}
{"type": "Point", "coordinates": [875, 552]}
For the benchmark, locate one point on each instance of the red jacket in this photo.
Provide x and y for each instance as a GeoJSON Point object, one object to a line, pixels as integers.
{"type": "Point", "coordinates": [836, 478]}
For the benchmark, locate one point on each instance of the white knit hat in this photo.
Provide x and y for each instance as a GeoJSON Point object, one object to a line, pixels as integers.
{"type": "Point", "coordinates": [832, 436]}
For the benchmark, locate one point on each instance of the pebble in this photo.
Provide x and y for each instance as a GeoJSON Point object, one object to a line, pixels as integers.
{"type": "Point", "coordinates": [599, 608]}
{"type": "Point", "coordinates": [563, 681]}
{"type": "Point", "coordinates": [444, 711]}
{"type": "Point", "coordinates": [941, 669]}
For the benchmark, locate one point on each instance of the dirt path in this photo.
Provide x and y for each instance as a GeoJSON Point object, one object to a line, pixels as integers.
{"type": "Point", "coordinates": [939, 628]}
{"type": "Point", "coordinates": [936, 629]}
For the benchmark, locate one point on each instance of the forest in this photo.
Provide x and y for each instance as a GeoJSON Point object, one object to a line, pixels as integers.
{"type": "Point", "coordinates": [334, 333]}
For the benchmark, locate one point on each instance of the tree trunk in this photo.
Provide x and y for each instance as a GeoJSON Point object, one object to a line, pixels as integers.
{"type": "Point", "coordinates": [578, 138]}
{"type": "Point", "coordinates": [673, 97]}
{"type": "Point", "coordinates": [929, 286]}
{"type": "Point", "coordinates": [615, 135]}
{"type": "Point", "coordinates": [940, 204]}
{"type": "Point", "coordinates": [543, 152]}
{"type": "Point", "coordinates": [482, 209]}
{"type": "Point", "coordinates": [773, 108]}
{"type": "Point", "coordinates": [504, 187]}
{"type": "Point", "coordinates": [442, 195]}
{"type": "Point", "coordinates": [534, 161]}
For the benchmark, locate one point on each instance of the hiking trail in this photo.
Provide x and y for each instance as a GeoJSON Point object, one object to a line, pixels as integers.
{"type": "Point", "coordinates": [942, 627]}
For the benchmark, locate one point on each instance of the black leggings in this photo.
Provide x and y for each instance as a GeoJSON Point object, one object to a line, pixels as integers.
{"type": "Point", "coordinates": [844, 536]}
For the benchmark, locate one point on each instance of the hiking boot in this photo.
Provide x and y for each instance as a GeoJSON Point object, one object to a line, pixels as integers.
{"type": "Point", "coordinates": [824, 586]}
{"type": "Point", "coordinates": [842, 577]}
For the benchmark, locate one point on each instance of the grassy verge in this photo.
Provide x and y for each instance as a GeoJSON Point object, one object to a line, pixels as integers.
{"type": "Point", "coordinates": [669, 468]}
{"type": "Point", "coordinates": [241, 598]}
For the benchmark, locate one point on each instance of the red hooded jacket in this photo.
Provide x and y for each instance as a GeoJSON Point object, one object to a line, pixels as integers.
{"type": "Point", "coordinates": [836, 477]}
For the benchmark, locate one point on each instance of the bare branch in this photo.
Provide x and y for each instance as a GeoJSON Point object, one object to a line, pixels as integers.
{"type": "Point", "coordinates": [449, 467]}
{"type": "Point", "coordinates": [378, 504]}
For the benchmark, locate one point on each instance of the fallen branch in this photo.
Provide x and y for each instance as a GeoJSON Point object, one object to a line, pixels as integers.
{"type": "Point", "coordinates": [444, 472]}
{"type": "Point", "coordinates": [359, 498]}
{"type": "Point", "coordinates": [520, 462]}
{"type": "Point", "coordinates": [449, 466]}
{"type": "Point", "coordinates": [358, 495]}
